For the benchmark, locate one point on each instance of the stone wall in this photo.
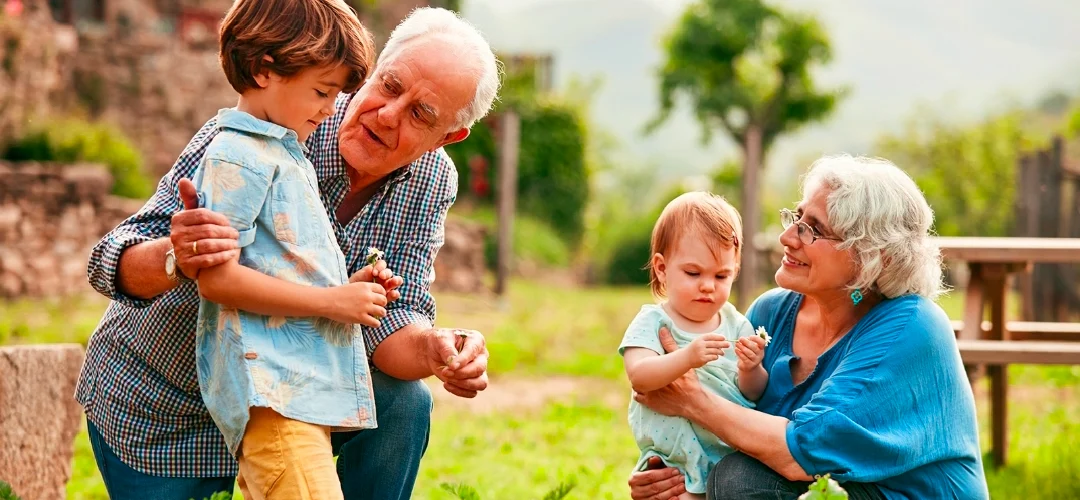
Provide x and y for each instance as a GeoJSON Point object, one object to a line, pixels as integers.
{"type": "Point", "coordinates": [35, 59]}
{"type": "Point", "coordinates": [50, 217]}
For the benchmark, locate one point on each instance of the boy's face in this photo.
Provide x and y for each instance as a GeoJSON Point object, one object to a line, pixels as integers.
{"type": "Point", "coordinates": [408, 107]}
{"type": "Point", "coordinates": [303, 101]}
{"type": "Point", "coordinates": [697, 283]}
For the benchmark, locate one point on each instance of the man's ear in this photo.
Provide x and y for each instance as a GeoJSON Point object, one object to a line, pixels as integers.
{"type": "Point", "coordinates": [261, 74]}
{"type": "Point", "coordinates": [453, 136]}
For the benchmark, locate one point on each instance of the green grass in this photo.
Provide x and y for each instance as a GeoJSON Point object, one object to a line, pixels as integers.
{"type": "Point", "coordinates": [525, 455]}
{"type": "Point", "coordinates": [542, 330]}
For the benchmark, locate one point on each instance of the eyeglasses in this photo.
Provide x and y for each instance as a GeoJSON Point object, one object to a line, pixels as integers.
{"type": "Point", "coordinates": [806, 233]}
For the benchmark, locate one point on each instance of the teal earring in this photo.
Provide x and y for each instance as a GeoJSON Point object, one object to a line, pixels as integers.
{"type": "Point", "coordinates": [856, 297]}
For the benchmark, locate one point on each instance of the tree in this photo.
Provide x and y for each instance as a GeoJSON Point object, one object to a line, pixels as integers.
{"type": "Point", "coordinates": [745, 68]}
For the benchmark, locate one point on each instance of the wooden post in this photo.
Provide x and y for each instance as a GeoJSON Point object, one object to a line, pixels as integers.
{"type": "Point", "coordinates": [1025, 224]}
{"type": "Point", "coordinates": [509, 139]}
{"type": "Point", "coordinates": [751, 215]}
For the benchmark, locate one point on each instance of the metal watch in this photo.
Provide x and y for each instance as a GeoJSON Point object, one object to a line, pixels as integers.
{"type": "Point", "coordinates": [172, 270]}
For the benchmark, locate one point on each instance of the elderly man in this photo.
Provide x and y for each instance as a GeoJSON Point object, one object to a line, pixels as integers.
{"type": "Point", "coordinates": [386, 183]}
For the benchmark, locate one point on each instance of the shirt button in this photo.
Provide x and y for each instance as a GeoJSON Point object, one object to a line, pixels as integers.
{"type": "Point", "coordinates": [250, 355]}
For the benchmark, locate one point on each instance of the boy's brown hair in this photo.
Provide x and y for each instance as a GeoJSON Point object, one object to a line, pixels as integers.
{"type": "Point", "coordinates": [700, 213]}
{"type": "Point", "coordinates": [297, 35]}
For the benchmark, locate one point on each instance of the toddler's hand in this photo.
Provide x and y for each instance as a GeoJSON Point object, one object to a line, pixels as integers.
{"type": "Point", "coordinates": [707, 347]}
{"type": "Point", "coordinates": [749, 351]}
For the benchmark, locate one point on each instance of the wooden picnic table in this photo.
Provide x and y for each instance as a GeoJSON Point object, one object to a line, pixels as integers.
{"type": "Point", "coordinates": [990, 261]}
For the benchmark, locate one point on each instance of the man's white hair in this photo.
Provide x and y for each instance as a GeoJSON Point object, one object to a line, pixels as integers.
{"type": "Point", "coordinates": [883, 216]}
{"type": "Point", "coordinates": [471, 49]}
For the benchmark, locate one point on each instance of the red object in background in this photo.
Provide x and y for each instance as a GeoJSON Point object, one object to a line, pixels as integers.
{"type": "Point", "coordinates": [479, 184]}
{"type": "Point", "coordinates": [13, 8]}
{"type": "Point", "coordinates": [199, 25]}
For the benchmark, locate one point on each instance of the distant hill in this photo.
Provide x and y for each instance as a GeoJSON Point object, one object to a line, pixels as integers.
{"type": "Point", "coordinates": [963, 58]}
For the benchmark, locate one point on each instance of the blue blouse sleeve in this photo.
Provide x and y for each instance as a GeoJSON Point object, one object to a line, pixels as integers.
{"type": "Point", "coordinates": [891, 403]}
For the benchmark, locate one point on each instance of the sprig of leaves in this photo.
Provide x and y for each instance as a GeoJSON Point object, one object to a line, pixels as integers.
{"type": "Point", "coordinates": [825, 488]}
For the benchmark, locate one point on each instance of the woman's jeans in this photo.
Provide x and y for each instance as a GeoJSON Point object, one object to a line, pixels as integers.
{"type": "Point", "coordinates": [373, 464]}
{"type": "Point", "coordinates": [740, 477]}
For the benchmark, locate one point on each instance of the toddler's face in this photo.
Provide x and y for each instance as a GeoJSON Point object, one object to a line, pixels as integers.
{"type": "Point", "coordinates": [697, 282]}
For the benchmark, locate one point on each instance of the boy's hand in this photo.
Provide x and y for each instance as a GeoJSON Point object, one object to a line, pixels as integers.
{"type": "Point", "coordinates": [707, 347]}
{"type": "Point", "coordinates": [382, 275]}
{"type": "Point", "coordinates": [749, 351]}
{"type": "Point", "coordinates": [362, 303]}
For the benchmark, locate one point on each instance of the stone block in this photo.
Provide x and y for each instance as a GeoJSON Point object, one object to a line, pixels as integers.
{"type": "Point", "coordinates": [39, 417]}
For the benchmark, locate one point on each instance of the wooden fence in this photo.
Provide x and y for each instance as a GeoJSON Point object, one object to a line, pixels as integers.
{"type": "Point", "coordinates": [1048, 205]}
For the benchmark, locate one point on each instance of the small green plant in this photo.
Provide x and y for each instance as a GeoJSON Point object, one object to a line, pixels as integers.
{"type": "Point", "coordinates": [825, 488]}
{"type": "Point", "coordinates": [6, 492]}
{"type": "Point", "coordinates": [461, 490]}
{"type": "Point", "coordinates": [465, 492]}
{"type": "Point", "coordinates": [74, 140]}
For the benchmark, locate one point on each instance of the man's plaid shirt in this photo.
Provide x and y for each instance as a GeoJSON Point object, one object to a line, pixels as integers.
{"type": "Point", "coordinates": [139, 385]}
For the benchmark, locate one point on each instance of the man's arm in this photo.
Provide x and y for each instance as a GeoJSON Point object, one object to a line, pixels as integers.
{"type": "Point", "coordinates": [406, 345]}
{"type": "Point", "coordinates": [128, 263]}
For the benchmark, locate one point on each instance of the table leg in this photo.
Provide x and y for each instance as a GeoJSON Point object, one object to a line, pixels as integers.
{"type": "Point", "coordinates": [999, 383]}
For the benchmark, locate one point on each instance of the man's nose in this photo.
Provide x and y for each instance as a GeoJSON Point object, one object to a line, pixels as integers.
{"type": "Point", "coordinates": [390, 113]}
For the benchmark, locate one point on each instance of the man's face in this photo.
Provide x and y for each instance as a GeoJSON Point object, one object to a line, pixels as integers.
{"type": "Point", "coordinates": [407, 108]}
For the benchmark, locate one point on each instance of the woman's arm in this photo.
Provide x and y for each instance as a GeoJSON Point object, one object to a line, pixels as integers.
{"type": "Point", "coordinates": [757, 434]}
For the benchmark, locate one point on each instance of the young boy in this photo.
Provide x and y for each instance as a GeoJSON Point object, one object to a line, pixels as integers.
{"type": "Point", "coordinates": [695, 258]}
{"type": "Point", "coordinates": [281, 362]}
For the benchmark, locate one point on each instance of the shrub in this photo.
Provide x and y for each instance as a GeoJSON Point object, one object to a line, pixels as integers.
{"type": "Point", "coordinates": [77, 141]}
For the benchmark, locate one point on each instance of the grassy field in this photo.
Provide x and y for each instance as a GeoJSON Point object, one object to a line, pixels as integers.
{"type": "Point", "coordinates": [560, 416]}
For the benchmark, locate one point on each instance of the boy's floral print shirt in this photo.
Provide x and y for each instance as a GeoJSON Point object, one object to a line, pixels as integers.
{"type": "Point", "coordinates": [313, 370]}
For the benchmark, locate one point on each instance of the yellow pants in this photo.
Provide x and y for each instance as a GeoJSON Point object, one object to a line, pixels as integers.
{"type": "Point", "coordinates": [285, 459]}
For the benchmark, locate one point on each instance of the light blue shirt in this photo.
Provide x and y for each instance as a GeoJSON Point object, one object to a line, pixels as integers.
{"type": "Point", "coordinates": [889, 403]}
{"type": "Point", "coordinates": [309, 369]}
{"type": "Point", "coordinates": [676, 440]}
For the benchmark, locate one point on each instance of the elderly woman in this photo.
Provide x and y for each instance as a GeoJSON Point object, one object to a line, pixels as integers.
{"type": "Point", "coordinates": [865, 381]}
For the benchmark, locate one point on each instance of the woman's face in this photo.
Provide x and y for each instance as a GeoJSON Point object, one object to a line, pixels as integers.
{"type": "Point", "coordinates": [817, 269]}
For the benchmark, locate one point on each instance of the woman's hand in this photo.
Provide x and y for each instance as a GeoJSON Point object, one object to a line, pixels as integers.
{"type": "Point", "coordinates": [656, 483]}
{"type": "Point", "coordinates": [677, 397]}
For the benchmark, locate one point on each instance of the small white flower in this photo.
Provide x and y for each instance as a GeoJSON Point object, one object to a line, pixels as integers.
{"type": "Point", "coordinates": [763, 334]}
{"type": "Point", "coordinates": [374, 255]}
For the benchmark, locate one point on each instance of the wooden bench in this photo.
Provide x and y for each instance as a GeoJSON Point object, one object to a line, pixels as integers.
{"type": "Point", "coordinates": [1032, 330]}
{"type": "Point", "coordinates": [999, 353]}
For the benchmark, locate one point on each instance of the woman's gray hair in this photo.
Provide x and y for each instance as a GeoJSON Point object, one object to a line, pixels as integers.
{"type": "Point", "coordinates": [471, 49]}
{"type": "Point", "coordinates": [883, 216]}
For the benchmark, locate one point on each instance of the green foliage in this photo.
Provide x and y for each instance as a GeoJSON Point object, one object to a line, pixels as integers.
{"type": "Point", "coordinates": [630, 253]}
{"type": "Point", "coordinates": [744, 64]}
{"type": "Point", "coordinates": [461, 491]}
{"type": "Point", "coordinates": [553, 182]}
{"type": "Point", "coordinates": [77, 141]}
{"type": "Point", "coordinates": [534, 241]}
{"type": "Point", "coordinates": [968, 173]}
{"type": "Point", "coordinates": [825, 488]}
{"type": "Point", "coordinates": [6, 492]}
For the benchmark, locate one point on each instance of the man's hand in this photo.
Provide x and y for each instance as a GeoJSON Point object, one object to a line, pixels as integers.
{"type": "Point", "coordinates": [459, 359]}
{"type": "Point", "coordinates": [201, 230]}
{"type": "Point", "coordinates": [381, 275]}
{"type": "Point", "coordinates": [657, 482]}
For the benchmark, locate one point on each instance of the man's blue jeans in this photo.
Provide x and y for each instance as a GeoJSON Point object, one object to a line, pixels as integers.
{"type": "Point", "coordinates": [373, 464]}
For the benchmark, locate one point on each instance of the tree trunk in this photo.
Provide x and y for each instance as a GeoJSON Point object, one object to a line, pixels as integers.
{"type": "Point", "coordinates": [747, 284]}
